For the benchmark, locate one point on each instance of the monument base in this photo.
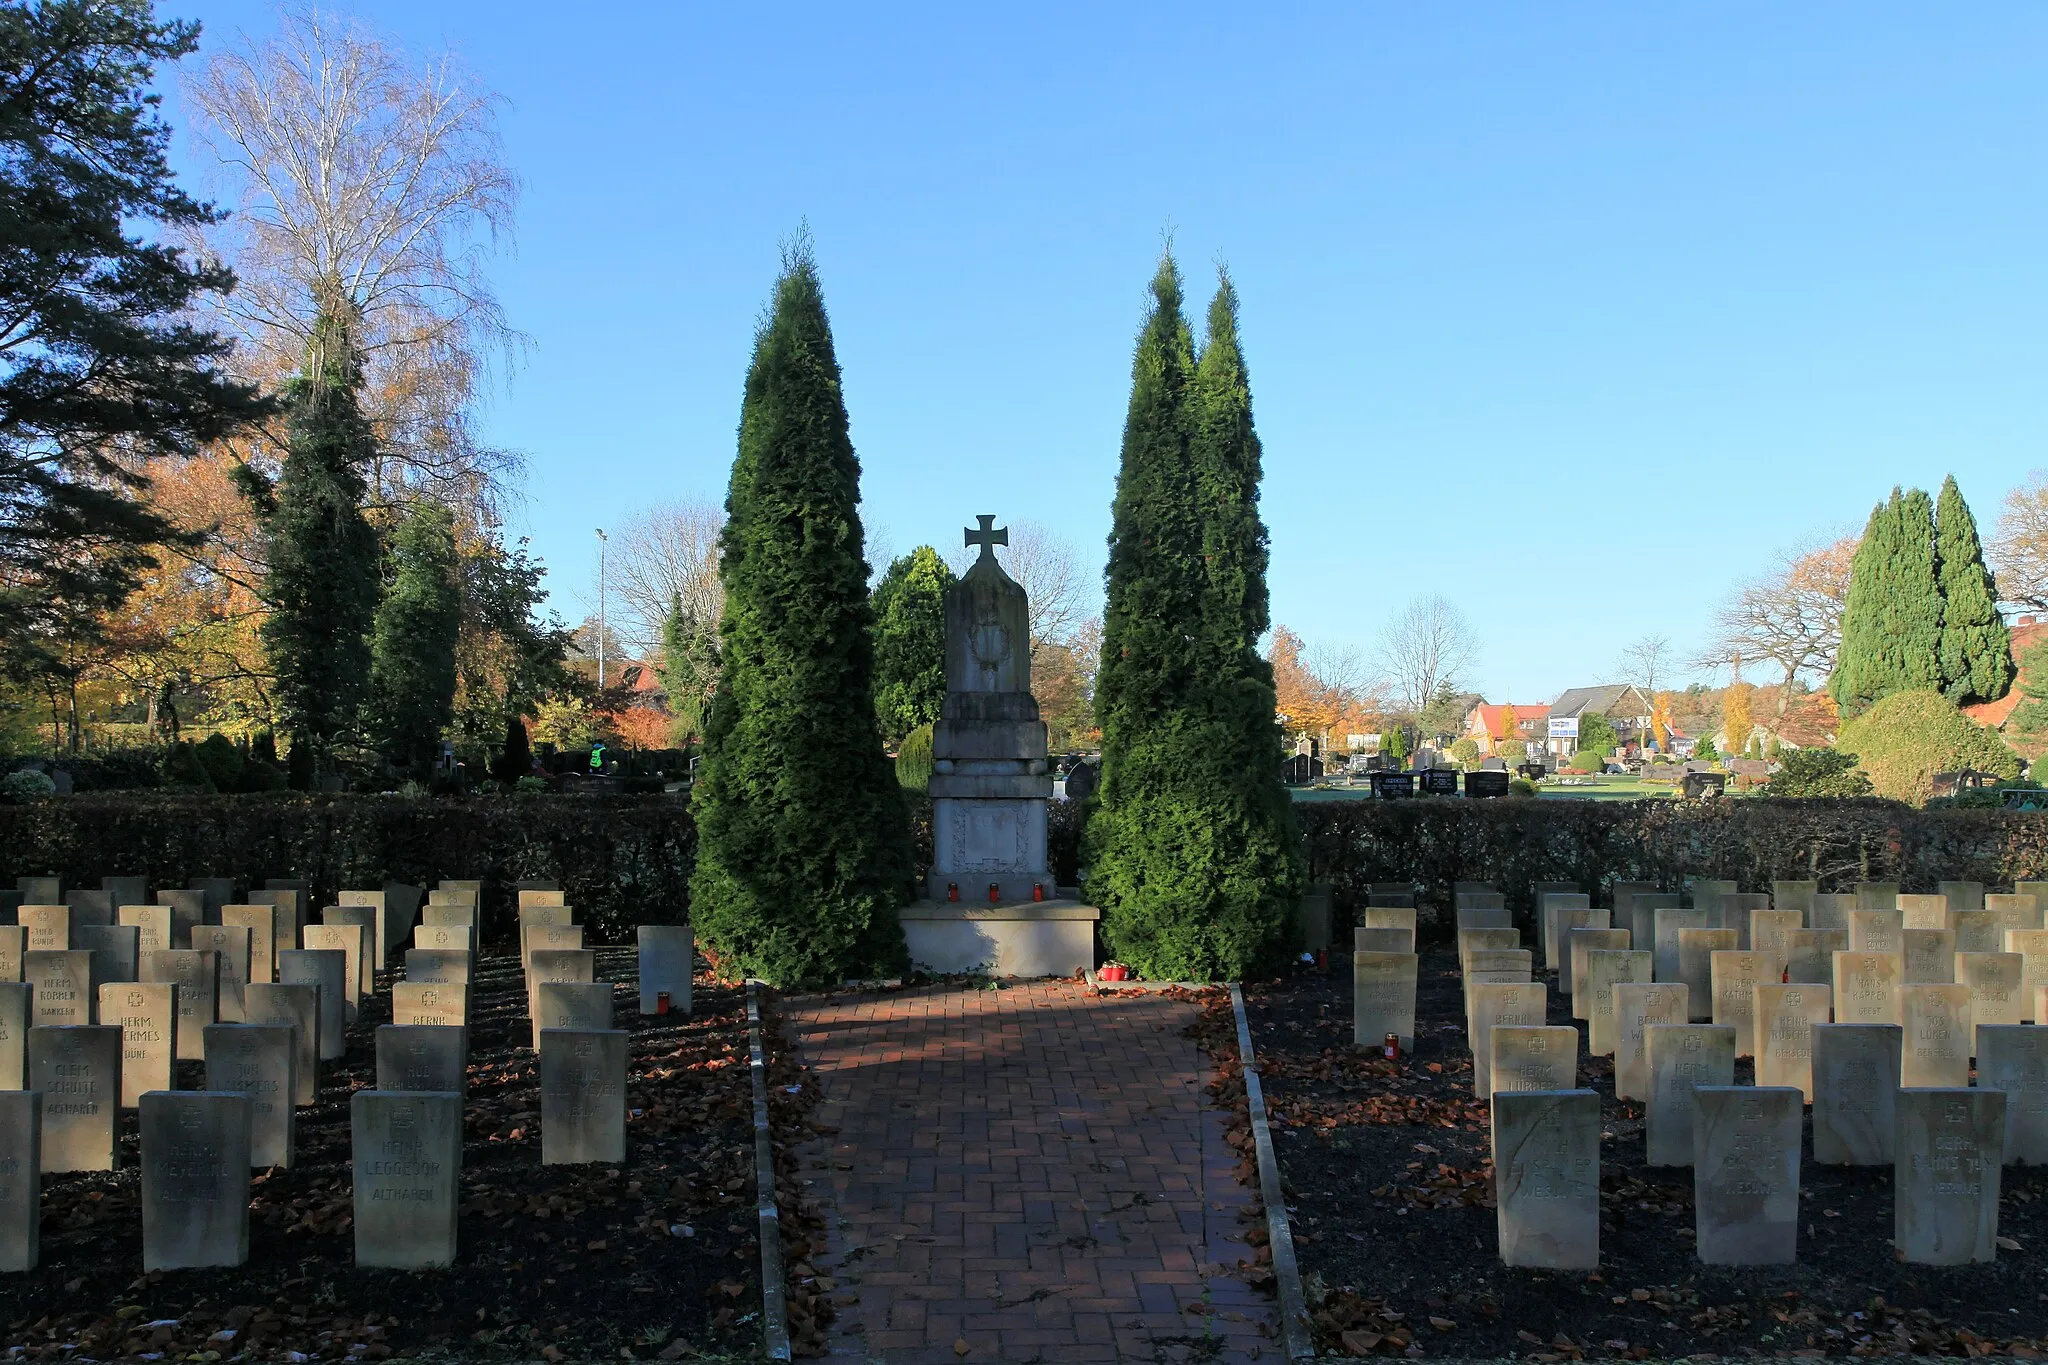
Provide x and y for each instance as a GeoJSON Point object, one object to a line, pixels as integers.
{"type": "Point", "coordinates": [1035, 938]}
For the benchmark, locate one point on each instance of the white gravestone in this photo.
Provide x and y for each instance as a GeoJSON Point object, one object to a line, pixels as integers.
{"type": "Point", "coordinates": [1867, 988]}
{"type": "Point", "coordinates": [230, 944]}
{"type": "Point", "coordinates": [406, 1153]}
{"type": "Point", "coordinates": [21, 1180]}
{"type": "Point", "coordinates": [1928, 957]}
{"type": "Point", "coordinates": [1665, 945]}
{"type": "Point", "coordinates": [581, 1005]}
{"type": "Point", "coordinates": [195, 1179]}
{"type": "Point", "coordinates": [63, 986]}
{"type": "Point", "coordinates": [2021, 911]}
{"type": "Point", "coordinates": [1552, 906]}
{"type": "Point", "coordinates": [261, 922]}
{"type": "Point", "coordinates": [1923, 912]}
{"type": "Point", "coordinates": [1577, 943]}
{"type": "Point", "coordinates": [1637, 1007]}
{"type": "Point", "coordinates": [326, 970]}
{"type": "Point", "coordinates": [2032, 946]}
{"type": "Point", "coordinates": [423, 1057]}
{"type": "Point", "coordinates": [1383, 998]}
{"type": "Point", "coordinates": [1533, 1057]}
{"type": "Point", "coordinates": [1855, 1081]}
{"type": "Point", "coordinates": [1946, 1175]}
{"type": "Point", "coordinates": [349, 940]}
{"type": "Point", "coordinates": [1994, 983]}
{"type": "Point", "coordinates": [1567, 921]}
{"type": "Point", "coordinates": [196, 974]}
{"type": "Point", "coordinates": [1682, 1058]}
{"type": "Point", "coordinates": [1606, 970]}
{"type": "Point", "coordinates": [1735, 978]}
{"type": "Point", "coordinates": [1785, 1015]}
{"type": "Point", "coordinates": [1696, 949]}
{"type": "Point", "coordinates": [152, 924]}
{"type": "Point", "coordinates": [1875, 895]}
{"type": "Point", "coordinates": [77, 1068]}
{"type": "Point", "coordinates": [1770, 933]}
{"type": "Point", "coordinates": [1546, 1161]}
{"type": "Point", "coordinates": [1810, 955]}
{"type": "Point", "coordinates": [1876, 931]}
{"type": "Point", "coordinates": [1978, 931]}
{"type": "Point", "coordinates": [297, 1007]}
{"type": "Point", "coordinates": [1937, 1023]}
{"type": "Point", "coordinates": [2014, 1058]}
{"type": "Point", "coordinates": [1830, 910]}
{"type": "Point", "coordinates": [428, 1005]}
{"type": "Point", "coordinates": [454, 937]}
{"type": "Point", "coordinates": [1379, 940]}
{"type": "Point", "coordinates": [365, 918]}
{"type": "Point", "coordinates": [1736, 908]}
{"type": "Point", "coordinates": [147, 1015]}
{"type": "Point", "coordinates": [260, 1062]}
{"type": "Point", "coordinates": [1746, 1174]}
{"type": "Point", "coordinates": [1375, 917]}
{"type": "Point", "coordinates": [1795, 895]}
{"type": "Point", "coordinates": [582, 1096]}
{"type": "Point", "coordinates": [1513, 1005]}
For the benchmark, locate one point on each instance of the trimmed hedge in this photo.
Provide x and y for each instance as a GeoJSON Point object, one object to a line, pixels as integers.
{"type": "Point", "coordinates": [1753, 841]}
{"type": "Point", "coordinates": [621, 860]}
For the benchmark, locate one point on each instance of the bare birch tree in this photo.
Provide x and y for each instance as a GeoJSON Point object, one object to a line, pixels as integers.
{"type": "Point", "coordinates": [1426, 649]}
{"type": "Point", "coordinates": [1647, 661]}
{"type": "Point", "coordinates": [1790, 617]}
{"type": "Point", "coordinates": [662, 556]}
{"type": "Point", "coordinates": [360, 179]}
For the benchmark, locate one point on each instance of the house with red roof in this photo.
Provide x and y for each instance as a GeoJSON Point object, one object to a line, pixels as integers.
{"type": "Point", "coordinates": [1487, 725]}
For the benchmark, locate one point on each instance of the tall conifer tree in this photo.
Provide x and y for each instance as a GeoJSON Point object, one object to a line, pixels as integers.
{"type": "Point", "coordinates": [1976, 650]}
{"type": "Point", "coordinates": [412, 645]}
{"type": "Point", "coordinates": [323, 580]}
{"type": "Point", "coordinates": [1891, 621]}
{"type": "Point", "coordinates": [804, 849]}
{"type": "Point", "coordinates": [1193, 853]}
{"type": "Point", "coordinates": [910, 642]}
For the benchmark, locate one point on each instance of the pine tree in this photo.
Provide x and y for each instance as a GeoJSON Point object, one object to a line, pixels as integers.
{"type": "Point", "coordinates": [1976, 650]}
{"type": "Point", "coordinates": [1891, 621]}
{"type": "Point", "coordinates": [322, 583]}
{"type": "Point", "coordinates": [910, 642]}
{"type": "Point", "coordinates": [804, 847]}
{"type": "Point", "coordinates": [412, 645]}
{"type": "Point", "coordinates": [1193, 854]}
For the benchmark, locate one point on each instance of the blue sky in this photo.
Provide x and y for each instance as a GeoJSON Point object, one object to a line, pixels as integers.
{"type": "Point", "coordinates": [1573, 314]}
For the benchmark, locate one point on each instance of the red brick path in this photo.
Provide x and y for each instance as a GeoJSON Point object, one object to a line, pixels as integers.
{"type": "Point", "coordinates": [1032, 1171]}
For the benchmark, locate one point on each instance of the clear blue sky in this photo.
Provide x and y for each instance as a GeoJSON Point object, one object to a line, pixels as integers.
{"type": "Point", "coordinates": [1574, 314]}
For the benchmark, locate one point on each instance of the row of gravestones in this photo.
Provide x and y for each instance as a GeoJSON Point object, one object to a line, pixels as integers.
{"type": "Point", "coordinates": [198, 1147]}
{"type": "Point", "coordinates": [1862, 1077]}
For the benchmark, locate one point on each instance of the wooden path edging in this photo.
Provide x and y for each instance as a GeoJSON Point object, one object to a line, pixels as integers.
{"type": "Point", "coordinates": [1286, 1269]}
{"type": "Point", "coordinates": [774, 1293]}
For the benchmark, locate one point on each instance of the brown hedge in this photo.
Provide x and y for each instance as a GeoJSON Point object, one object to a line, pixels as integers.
{"type": "Point", "coordinates": [622, 860]}
{"type": "Point", "coordinates": [1515, 844]}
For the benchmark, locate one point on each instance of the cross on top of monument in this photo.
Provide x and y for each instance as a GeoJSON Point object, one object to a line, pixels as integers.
{"type": "Point", "coordinates": [988, 537]}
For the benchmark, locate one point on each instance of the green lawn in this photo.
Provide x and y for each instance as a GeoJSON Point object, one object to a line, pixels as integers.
{"type": "Point", "coordinates": [1611, 788]}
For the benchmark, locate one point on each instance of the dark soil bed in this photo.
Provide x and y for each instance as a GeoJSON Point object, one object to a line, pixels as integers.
{"type": "Point", "coordinates": [653, 1259]}
{"type": "Point", "coordinates": [1389, 1176]}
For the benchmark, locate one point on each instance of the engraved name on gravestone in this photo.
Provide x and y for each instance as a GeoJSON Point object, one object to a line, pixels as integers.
{"type": "Point", "coordinates": [1682, 1058]}
{"type": "Point", "coordinates": [406, 1154]}
{"type": "Point", "coordinates": [77, 1068]}
{"type": "Point", "coordinates": [326, 970]}
{"type": "Point", "coordinates": [147, 1015]}
{"type": "Point", "coordinates": [582, 1096]}
{"type": "Point", "coordinates": [2021, 912]}
{"type": "Point", "coordinates": [1994, 984]}
{"type": "Point", "coordinates": [1877, 931]}
{"type": "Point", "coordinates": [195, 1179]}
{"type": "Point", "coordinates": [1604, 971]}
{"type": "Point", "coordinates": [1533, 1057]}
{"type": "Point", "coordinates": [1929, 957]}
{"type": "Point", "coordinates": [668, 958]}
{"type": "Point", "coordinates": [1746, 1174]}
{"type": "Point", "coordinates": [259, 1061]}
{"type": "Point", "coordinates": [1696, 949]}
{"type": "Point", "coordinates": [1546, 1147]}
{"type": "Point", "coordinates": [196, 974]}
{"type": "Point", "coordinates": [1785, 1016]}
{"type": "Point", "coordinates": [152, 924]}
{"type": "Point", "coordinates": [1937, 1023]}
{"type": "Point", "coordinates": [1383, 998]}
{"type": "Point", "coordinates": [584, 1005]}
{"type": "Point", "coordinates": [297, 1007]}
{"type": "Point", "coordinates": [261, 923]}
{"type": "Point", "coordinates": [1946, 1175]}
{"type": "Point", "coordinates": [1855, 1079]}
{"type": "Point", "coordinates": [15, 1010]}
{"type": "Point", "coordinates": [21, 1180]}
{"type": "Point", "coordinates": [561, 964]}
{"type": "Point", "coordinates": [2014, 1058]}
{"type": "Point", "coordinates": [447, 966]}
{"type": "Point", "coordinates": [48, 926]}
{"type": "Point", "coordinates": [423, 1057]}
{"type": "Point", "coordinates": [1810, 955]}
{"type": "Point", "coordinates": [1977, 931]}
{"type": "Point", "coordinates": [1770, 933]}
{"type": "Point", "coordinates": [63, 986]}
{"type": "Point", "coordinates": [1499, 1004]}
{"type": "Point", "coordinates": [1735, 979]}
{"type": "Point", "coordinates": [1923, 912]}
{"type": "Point", "coordinates": [1867, 988]}
{"type": "Point", "coordinates": [380, 941]}
{"type": "Point", "coordinates": [1636, 1007]}
{"type": "Point", "coordinates": [423, 1003]}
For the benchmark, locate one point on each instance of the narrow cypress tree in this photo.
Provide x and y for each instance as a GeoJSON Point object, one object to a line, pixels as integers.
{"type": "Point", "coordinates": [804, 848]}
{"type": "Point", "coordinates": [322, 580]}
{"type": "Point", "coordinates": [1193, 853]}
{"type": "Point", "coordinates": [1891, 620]}
{"type": "Point", "coordinates": [1976, 650]}
{"type": "Point", "coordinates": [412, 645]}
{"type": "Point", "coordinates": [910, 642]}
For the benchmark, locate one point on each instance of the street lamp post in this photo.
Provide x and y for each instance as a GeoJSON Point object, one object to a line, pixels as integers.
{"type": "Point", "coordinates": [602, 541]}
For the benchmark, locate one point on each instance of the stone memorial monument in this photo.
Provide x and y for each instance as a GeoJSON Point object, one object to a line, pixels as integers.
{"type": "Point", "coordinates": [1546, 1161]}
{"type": "Point", "coordinates": [1365, 940]}
{"type": "Point", "coordinates": [188, 909]}
{"type": "Point", "coordinates": [1552, 906]}
{"type": "Point", "coordinates": [1877, 931]}
{"type": "Point", "coordinates": [443, 937]}
{"type": "Point", "coordinates": [1794, 895]}
{"type": "Point", "coordinates": [196, 975]}
{"type": "Point", "coordinates": [195, 1179]}
{"type": "Point", "coordinates": [230, 944]}
{"type": "Point", "coordinates": [115, 950]}
{"type": "Point", "coordinates": [63, 986]}
{"type": "Point", "coordinates": [1923, 912]}
{"type": "Point", "coordinates": [365, 964]}
{"type": "Point", "coordinates": [1735, 977]}
{"type": "Point", "coordinates": [1391, 917]}
{"type": "Point", "coordinates": [1963, 895]}
{"type": "Point", "coordinates": [1770, 933]}
{"type": "Point", "coordinates": [1735, 908]}
{"type": "Point", "coordinates": [1867, 988]}
{"type": "Point", "coordinates": [1569, 920]}
{"type": "Point", "coordinates": [584, 1005]}
{"type": "Point", "coordinates": [1946, 1175]}
{"type": "Point", "coordinates": [1977, 931]}
{"type": "Point", "coordinates": [1994, 981]}
{"type": "Point", "coordinates": [461, 916]}
{"type": "Point", "coordinates": [1855, 1082]}
{"type": "Point", "coordinates": [406, 1154]}
{"type": "Point", "coordinates": [152, 924]}
{"type": "Point", "coordinates": [556, 964]}
{"type": "Point", "coordinates": [2020, 912]}
{"type": "Point", "coordinates": [1875, 895]}
{"type": "Point", "coordinates": [445, 966]}
{"type": "Point", "coordinates": [1830, 910]}
{"type": "Point", "coordinates": [582, 1096]}
{"type": "Point", "coordinates": [990, 903]}
{"type": "Point", "coordinates": [1746, 1174]}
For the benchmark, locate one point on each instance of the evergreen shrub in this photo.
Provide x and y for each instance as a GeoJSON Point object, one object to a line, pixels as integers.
{"type": "Point", "coordinates": [1908, 737]}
